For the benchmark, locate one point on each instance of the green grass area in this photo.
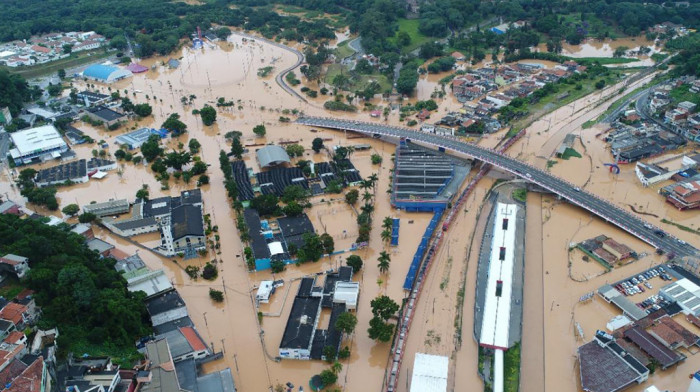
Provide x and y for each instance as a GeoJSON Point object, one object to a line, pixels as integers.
{"type": "Point", "coordinates": [511, 369]}
{"type": "Point", "coordinates": [410, 26]}
{"type": "Point", "coordinates": [124, 357]}
{"type": "Point", "coordinates": [291, 9]}
{"type": "Point", "coordinates": [682, 93]}
{"type": "Point", "coordinates": [596, 27]}
{"type": "Point", "coordinates": [605, 60]}
{"type": "Point", "coordinates": [11, 288]}
{"type": "Point", "coordinates": [684, 228]}
{"type": "Point", "coordinates": [360, 82]}
{"type": "Point", "coordinates": [54, 66]}
{"type": "Point", "coordinates": [520, 195]}
{"type": "Point", "coordinates": [343, 50]}
{"type": "Point", "coordinates": [567, 93]}
{"type": "Point", "coordinates": [570, 153]}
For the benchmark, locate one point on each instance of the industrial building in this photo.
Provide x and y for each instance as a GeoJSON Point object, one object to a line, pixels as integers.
{"type": "Point", "coordinates": [79, 171]}
{"type": "Point", "coordinates": [629, 308]}
{"type": "Point", "coordinates": [105, 73]}
{"type": "Point", "coordinates": [302, 339]}
{"type": "Point", "coordinates": [429, 373]}
{"type": "Point", "coordinates": [685, 293]}
{"type": "Point", "coordinates": [135, 139]}
{"type": "Point", "coordinates": [270, 239]}
{"type": "Point", "coordinates": [425, 180]}
{"type": "Point", "coordinates": [112, 207]}
{"type": "Point", "coordinates": [106, 115]}
{"type": "Point", "coordinates": [36, 145]}
{"type": "Point", "coordinates": [496, 317]}
{"type": "Point", "coordinates": [272, 156]}
{"type": "Point", "coordinates": [91, 98]}
{"type": "Point", "coordinates": [607, 367]}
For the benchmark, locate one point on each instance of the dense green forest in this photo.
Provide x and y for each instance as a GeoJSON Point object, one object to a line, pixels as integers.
{"type": "Point", "coordinates": [14, 92]}
{"type": "Point", "coordinates": [154, 26]}
{"type": "Point", "coordinates": [79, 292]}
{"type": "Point", "coordinates": [157, 25]}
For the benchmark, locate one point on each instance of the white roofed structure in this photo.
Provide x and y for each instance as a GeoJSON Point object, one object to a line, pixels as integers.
{"type": "Point", "coordinates": [346, 293]}
{"type": "Point", "coordinates": [36, 144]}
{"type": "Point", "coordinates": [264, 292]}
{"type": "Point", "coordinates": [495, 326]}
{"type": "Point", "coordinates": [275, 248]}
{"type": "Point", "coordinates": [429, 373]}
{"type": "Point", "coordinates": [686, 293]}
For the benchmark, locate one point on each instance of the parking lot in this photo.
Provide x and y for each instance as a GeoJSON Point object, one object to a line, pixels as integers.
{"type": "Point", "coordinates": [643, 289]}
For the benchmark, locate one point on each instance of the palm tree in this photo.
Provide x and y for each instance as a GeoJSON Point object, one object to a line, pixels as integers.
{"type": "Point", "coordinates": [384, 260]}
{"type": "Point", "coordinates": [373, 179]}
{"type": "Point", "coordinates": [368, 208]}
{"type": "Point", "coordinates": [386, 235]}
{"type": "Point", "coordinates": [366, 196]}
{"type": "Point", "coordinates": [336, 367]}
{"type": "Point", "coordinates": [387, 223]}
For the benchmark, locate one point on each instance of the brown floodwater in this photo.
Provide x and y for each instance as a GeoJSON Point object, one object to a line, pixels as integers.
{"type": "Point", "coordinates": [595, 48]}
{"type": "Point", "coordinates": [229, 70]}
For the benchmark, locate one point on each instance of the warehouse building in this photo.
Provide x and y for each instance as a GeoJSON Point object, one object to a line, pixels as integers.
{"type": "Point", "coordinates": [37, 145]}
{"type": "Point", "coordinates": [105, 73]}
{"type": "Point", "coordinates": [685, 293]}
{"type": "Point", "coordinates": [607, 367]}
{"type": "Point", "coordinates": [272, 156]}
{"type": "Point", "coordinates": [429, 373]}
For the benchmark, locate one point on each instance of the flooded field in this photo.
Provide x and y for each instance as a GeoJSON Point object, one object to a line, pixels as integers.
{"type": "Point", "coordinates": [229, 70]}
{"type": "Point", "coordinates": [606, 48]}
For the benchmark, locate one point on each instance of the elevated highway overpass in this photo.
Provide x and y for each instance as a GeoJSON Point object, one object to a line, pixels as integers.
{"type": "Point", "coordinates": [641, 229]}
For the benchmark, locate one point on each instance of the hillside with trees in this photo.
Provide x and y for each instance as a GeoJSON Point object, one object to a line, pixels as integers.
{"type": "Point", "coordinates": [76, 289]}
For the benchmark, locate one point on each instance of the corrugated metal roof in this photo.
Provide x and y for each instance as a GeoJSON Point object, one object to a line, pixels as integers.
{"type": "Point", "coordinates": [272, 155]}
{"type": "Point", "coordinates": [429, 373]}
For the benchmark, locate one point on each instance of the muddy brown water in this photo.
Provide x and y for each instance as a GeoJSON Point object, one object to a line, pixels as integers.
{"type": "Point", "coordinates": [229, 70]}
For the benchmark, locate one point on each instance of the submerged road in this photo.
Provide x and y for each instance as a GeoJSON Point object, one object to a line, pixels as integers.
{"type": "Point", "coordinates": [280, 76]}
{"type": "Point", "coordinates": [604, 209]}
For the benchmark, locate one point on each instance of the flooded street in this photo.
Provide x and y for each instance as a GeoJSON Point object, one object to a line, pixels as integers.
{"type": "Point", "coordinates": [229, 70]}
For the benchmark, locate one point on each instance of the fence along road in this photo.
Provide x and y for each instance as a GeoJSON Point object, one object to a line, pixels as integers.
{"type": "Point", "coordinates": [606, 210]}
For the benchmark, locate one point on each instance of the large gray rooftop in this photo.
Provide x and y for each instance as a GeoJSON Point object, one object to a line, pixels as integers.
{"type": "Point", "coordinates": [272, 156]}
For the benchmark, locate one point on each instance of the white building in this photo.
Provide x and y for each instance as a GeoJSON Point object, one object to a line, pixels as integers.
{"type": "Point", "coordinates": [264, 291]}
{"type": "Point", "coordinates": [429, 373]}
{"type": "Point", "coordinates": [36, 145]}
{"type": "Point", "coordinates": [685, 293]}
{"type": "Point", "coordinates": [346, 293]}
{"type": "Point", "coordinates": [17, 265]}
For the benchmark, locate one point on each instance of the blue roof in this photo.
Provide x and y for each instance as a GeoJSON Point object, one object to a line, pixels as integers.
{"type": "Point", "coordinates": [99, 71]}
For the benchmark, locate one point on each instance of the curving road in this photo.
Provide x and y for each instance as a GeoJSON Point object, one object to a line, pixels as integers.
{"type": "Point", "coordinates": [280, 76]}
{"type": "Point", "coordinates": [602, 208]}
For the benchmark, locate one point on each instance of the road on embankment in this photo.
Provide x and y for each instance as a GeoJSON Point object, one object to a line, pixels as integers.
{"type": "Point", "coordinates": [575, 195]}
{"type": "Point", "coordinates": [280, 76]}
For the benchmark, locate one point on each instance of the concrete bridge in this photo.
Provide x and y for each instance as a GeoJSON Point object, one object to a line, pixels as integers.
{"type": "Point", "coordinates": [604, 209]}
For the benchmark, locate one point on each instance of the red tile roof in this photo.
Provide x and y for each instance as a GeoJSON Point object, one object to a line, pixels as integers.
{"type": "Point", "coordinates": [13, 312]}
{"type": "Point", "coordinates": [14, 337]}
{"type": "Point", "coordinates": [193, 339]}
{"type": "Point", "coordinates": [41, 49]}
{"type": "Point", "coordinates": [30, 379]}
{"type": "Point", "coordinates": [24, 294]}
